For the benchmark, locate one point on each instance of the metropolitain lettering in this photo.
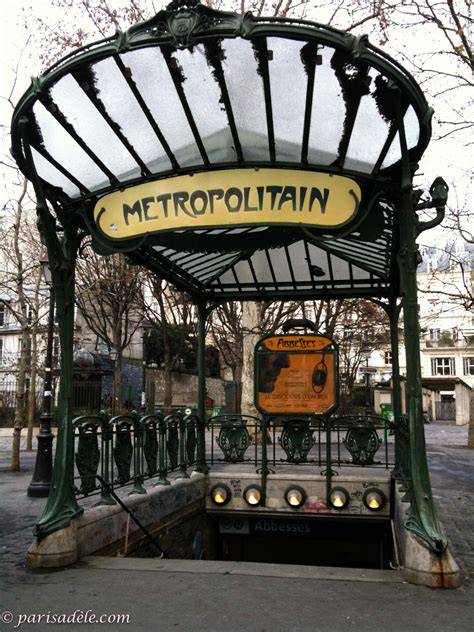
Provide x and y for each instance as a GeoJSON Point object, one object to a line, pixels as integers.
{"type": "Point", "coordinates": [234, 199]}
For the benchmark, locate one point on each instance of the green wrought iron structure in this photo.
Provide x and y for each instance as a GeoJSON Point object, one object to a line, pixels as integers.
{"type": "Point", "coordinates": [278, 157]}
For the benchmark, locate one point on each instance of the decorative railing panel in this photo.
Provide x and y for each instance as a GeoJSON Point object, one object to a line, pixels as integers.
{"type": "Point", "coordinates": [127, 450]}
{"type": "Point", "coordinates": [307, 441]}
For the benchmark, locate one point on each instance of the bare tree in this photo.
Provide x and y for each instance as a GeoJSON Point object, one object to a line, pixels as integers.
{"type": "Point", "coordinates": [362, 327]}
{"type": "Point", "coordinates": [172, 317]}
{"type": "Point", "coordinates": [109, 296]}
{"type": "Point", "coordinates": [19, 252]}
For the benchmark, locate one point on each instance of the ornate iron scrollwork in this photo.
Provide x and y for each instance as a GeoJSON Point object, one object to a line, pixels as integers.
{"type": "Point", "coordinates": [123, 451]}
{"type": "Point", "coordinates": [150, 449]}
{"type": "Point", "coordinates": [191, 440]}
{"type": "Point", "coordinates": [362, 441]}
{"type": "Point", "coordinates": [172, 443]}
{"type": "Point", "coordinates": [233, 440]}
{"type": "Point", "coordinates": [87, 457]}
{"type": "Point", "coordinates": [297, 440]}
{"type": "Point", "coordinates": [181, 24]}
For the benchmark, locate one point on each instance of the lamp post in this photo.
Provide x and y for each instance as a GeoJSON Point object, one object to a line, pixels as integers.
{"type": "Point", "coordinates": [113, 355]}
{"type": "Point", "coordinates": [147, 326]}
{"type": "Point", "coordinates": [41, 481]}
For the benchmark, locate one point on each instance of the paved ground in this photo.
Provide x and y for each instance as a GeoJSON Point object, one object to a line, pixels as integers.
{"type": "Point", "coordinates": [175, 595]}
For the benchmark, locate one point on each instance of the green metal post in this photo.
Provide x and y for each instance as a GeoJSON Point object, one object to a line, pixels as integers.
{"type": "Point", "coordinates": [422, 517]}
{"type": "Point", "coordinates": [62, 251]}
{"type": "Point", "coordinates": [201, 465]}
{"type": "Point", "coordinates": [394, 314]}
{"type": "Point", "coordinates": [62, 506]}
{"type": "Point", "coordinates": [264, 473]}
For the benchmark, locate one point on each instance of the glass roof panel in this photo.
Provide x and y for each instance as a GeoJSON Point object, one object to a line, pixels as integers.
{"type": "Point", "coordinates": [152, 77]}
{"type": "Point", "coordinates": [328, 113]}
{"type": "Point", "coordinates": [64, 149]}
{"type": "Point", "coordinates": [394, 152]}
{"type": "Point", "coordinates": [359, 273]}
{"type": "Point", "coordinates": [204, 97]}
{"type": "Point", "coordinates": [227, 278]}
{"type": "Point", "coordinates": [412, 127]}
{"type": "Point", "coordinates": [280, 262]}
{"type": "Point", "coordinates": [243, 272]}
{"type": "Point", "coordinates": [412, 133]}
{"type": "Point", "coordinates": [124, 109]}
{"type": "Point", "coordinates": [248, 105]}
{"type": "Point", "coordinates": [93, 129]}
{"type": "Point", "coordinates": [48, 172]}
{"type": "Point", "coordinates": [318, 259]}
{"type": "Point", "coordinates": [298, 261]}
{"type": "Point", "coordinates": [261, 267]}
{"type": "Point", "coordinates": [288, 83]}
{"type": "Point", "coordinates": [362, 154]}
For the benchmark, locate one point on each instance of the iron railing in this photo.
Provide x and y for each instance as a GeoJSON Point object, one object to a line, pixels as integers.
{"type": "Point", "coordinates": [348, 441]}
{"type": "Point", "coordinates": [127, 449]}
{"type": "Point", "coordinates": [403, 471]}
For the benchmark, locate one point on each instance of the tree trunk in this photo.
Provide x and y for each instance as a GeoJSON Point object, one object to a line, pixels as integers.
{"type": "Point", "coordinates": [251, 327]}
{"type": "Point", "coordinates": [32, 394]}
{"type": "Point", "coordinates": [19, 403]}
{"type": "Point", "coordinates": [117, 388]}
{"type": "Point", "coordinates": [470, 436]}
{"type": "Point", "coordinates": [168, 385]}
{"type": "Point", "coordinates": [168, 390]}
{"type": "Point", "coordinates": [34, 353]}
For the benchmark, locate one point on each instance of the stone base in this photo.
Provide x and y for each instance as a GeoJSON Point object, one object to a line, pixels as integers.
{"type": "Point", "coordinates": [55, 550]}
{"type": "Point", "coordinates": [421, 565]}
{"type": "Point", "coordinates": [105, 528]}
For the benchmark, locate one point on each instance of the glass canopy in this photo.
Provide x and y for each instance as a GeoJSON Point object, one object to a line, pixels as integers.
{"type": "Point", "coordinates": [196, 91]}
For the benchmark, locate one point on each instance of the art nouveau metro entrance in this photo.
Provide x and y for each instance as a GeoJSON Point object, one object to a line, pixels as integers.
{"type": "Point", "coordinates": [241, 159]}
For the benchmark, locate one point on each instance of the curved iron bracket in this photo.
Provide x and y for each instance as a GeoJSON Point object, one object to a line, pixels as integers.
{"type": "Point", "coordinates": [439, 197]}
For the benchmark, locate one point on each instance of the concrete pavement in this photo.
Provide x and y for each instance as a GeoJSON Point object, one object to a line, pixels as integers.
{"type": "Point", "coordinates": [167, 595]}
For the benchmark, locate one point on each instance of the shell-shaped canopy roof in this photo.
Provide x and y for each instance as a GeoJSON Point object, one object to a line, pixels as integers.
{"type": "Point", "coordinates": [196, 91]}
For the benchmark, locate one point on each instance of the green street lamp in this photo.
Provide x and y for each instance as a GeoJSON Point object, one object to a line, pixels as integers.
{"type": "Point", "coordinates": [41, 481]}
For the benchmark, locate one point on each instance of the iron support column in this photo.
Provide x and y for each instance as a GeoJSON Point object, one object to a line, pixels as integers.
{"type": "Point", "coordinates": [62, 243]}
{"type": "Point", "coordinates": [422, 516]}
{"type": "Point", "coordinates": [394, 315]}
{"type": "Point", "coordinates": [62, 505]}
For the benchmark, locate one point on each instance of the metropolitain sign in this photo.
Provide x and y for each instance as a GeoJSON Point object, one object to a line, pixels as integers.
{"type": "Point", "coordinates": [234, 197]}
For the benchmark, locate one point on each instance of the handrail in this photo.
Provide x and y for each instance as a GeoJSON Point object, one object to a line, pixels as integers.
{"type": "Point", "coordinates": [132, 516]}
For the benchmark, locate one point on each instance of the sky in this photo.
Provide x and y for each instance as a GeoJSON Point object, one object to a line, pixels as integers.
{"type": "Point", "coordinates": [449, 157]}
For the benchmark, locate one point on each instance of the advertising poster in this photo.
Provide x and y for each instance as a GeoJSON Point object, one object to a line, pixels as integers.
{"type": "Point", "coordinates": [295, 374]}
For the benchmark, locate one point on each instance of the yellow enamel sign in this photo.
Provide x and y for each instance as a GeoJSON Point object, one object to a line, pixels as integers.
{"type": "Point", "coordinates": [234, 197]}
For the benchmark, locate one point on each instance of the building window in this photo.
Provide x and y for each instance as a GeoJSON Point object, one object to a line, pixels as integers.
{"type": "Point", "coordinates": [468, 365]}
{"type": "Point", "coordinates": [28, 347]}
{"type": "Point", "coordinates": [2, 315]}
{"type": "Point", "coordinates": [388, 357]}
{"type": "Point", "coordinates": [55, 349]}
{"type": "Point", "coordinates": [435, 334]}
{"type": "Point", "coordinates": [443, 366]}
{"type": "Point", "coordinates": [1, 351]}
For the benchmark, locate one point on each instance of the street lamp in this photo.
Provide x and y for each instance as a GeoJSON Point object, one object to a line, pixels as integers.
{"type": "Point", "coordinates": [41, 481]}
{"type": "Point", "coordinates": [147, 327]}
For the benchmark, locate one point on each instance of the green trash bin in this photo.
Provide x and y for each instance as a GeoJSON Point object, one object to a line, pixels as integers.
{"type": "Point", "coordinates": [388, 417]}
